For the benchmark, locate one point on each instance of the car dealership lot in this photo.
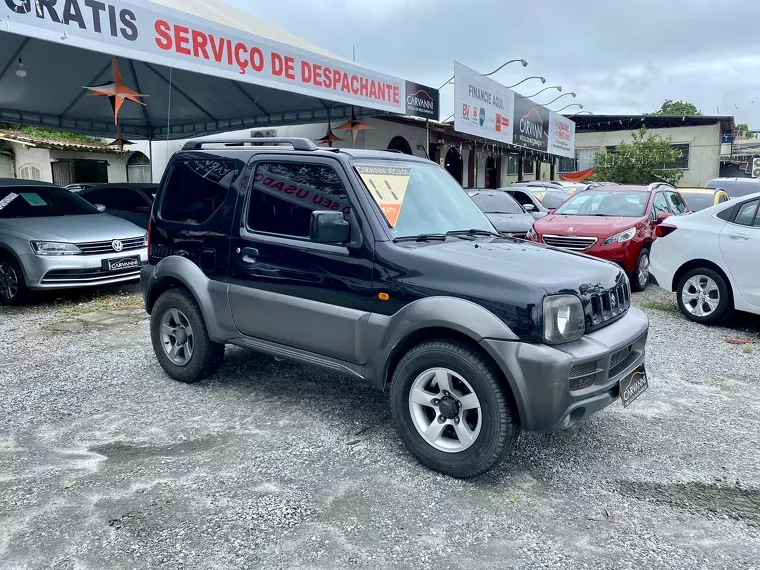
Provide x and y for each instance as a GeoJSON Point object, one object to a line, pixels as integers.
{"type": "Point", "coordinates": [106, 463]}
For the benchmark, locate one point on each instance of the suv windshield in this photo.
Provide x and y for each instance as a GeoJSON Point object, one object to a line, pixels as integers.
{"type": "Point", "coordinates": [550, 199]}
{"type": "Point", "coordinates": [418, 198]}
{"type": "Point", "coordinates": [631, 204]}
{"type": "Point", "coordinates": [42, 202]}
{"type": "Point", "coordinates": [496, 203]}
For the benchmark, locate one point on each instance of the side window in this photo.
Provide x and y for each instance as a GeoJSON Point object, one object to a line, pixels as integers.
{"type": "Point", "coordinates": [197, 188]}
{"type": "Point", "coordinates": [676, 203]}
{"type": "Point", "coordinates": [522, 198]}
{"type": "Point", "coordinates": [284, 194]}
{"type": "Point", "coordinates": [746, 215]}
{"type": "Point", "coordinates": [102, 197]}
{"type": "Point", "coordinates": [660, 205]}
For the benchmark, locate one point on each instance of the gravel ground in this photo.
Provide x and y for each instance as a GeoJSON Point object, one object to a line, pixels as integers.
{"type": "Point", "coordinates": [106, 463]}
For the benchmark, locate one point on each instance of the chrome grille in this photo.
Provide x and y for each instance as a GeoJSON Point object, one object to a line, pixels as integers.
{"type": "Point", "coordinates": [87, 276]}
{"type": "Point", "coordinates": [603, 308]}
{"type": "Point", "coordinates": [103, 247]}
{"type": "Point", "coordinates": [574, 243]}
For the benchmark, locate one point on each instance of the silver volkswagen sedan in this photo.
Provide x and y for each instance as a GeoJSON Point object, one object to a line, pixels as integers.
{"type": "Point", "coordinates": [50, 238]}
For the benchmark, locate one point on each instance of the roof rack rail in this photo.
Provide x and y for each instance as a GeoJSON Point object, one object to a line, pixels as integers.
{"type": "Point", "coordinates": [655, 185]}
{"type": "Point", "coordinates": [296, 143]}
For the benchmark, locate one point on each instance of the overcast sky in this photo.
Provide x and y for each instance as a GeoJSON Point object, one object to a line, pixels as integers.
{"type": "Point", "coordinates": [619, 57]}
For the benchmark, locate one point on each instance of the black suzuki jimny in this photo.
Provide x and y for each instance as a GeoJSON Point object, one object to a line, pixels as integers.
{"type": "Point", "coordinates": [377, 265]}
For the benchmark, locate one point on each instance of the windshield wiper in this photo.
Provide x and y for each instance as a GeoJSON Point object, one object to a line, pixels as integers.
{"type": "Point", "coordinates": [421, 237]}
{"type": "Point", "coordinates": [472, 233]}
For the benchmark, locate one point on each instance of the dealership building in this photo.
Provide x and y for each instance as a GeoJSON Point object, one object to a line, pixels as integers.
{"type": "Point", "coordinates": [702, 142]}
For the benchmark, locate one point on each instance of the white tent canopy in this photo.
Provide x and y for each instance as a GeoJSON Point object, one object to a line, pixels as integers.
{"type": "Point", "coordinates": [206, 67]}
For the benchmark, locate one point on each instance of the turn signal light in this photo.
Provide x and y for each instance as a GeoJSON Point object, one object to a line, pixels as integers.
{"type": "Point", "coordinates": [383, 296]}
{"type": "Point", "coordinates": [665, 230]}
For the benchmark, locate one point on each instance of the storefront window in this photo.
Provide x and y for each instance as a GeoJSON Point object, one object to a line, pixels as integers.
{"type": "Point", "coordinates": [512, 165]}
{"type": "Point", "coordinates": [585, 158]}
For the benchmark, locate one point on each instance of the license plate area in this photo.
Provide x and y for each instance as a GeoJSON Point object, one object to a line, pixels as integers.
{"type": "Point", "coordinates": [633, 386]}
{"type": "Point", "coordinates": [122, 263]}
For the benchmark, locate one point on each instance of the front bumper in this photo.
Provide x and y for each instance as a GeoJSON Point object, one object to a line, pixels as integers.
{"type": "Point", "coordinates": [558, 386]}
{"type": "Point", "coordinates": [71, 271]}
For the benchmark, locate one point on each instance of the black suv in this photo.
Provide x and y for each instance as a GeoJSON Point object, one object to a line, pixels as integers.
{"type": "Point", "coordinates": [377, 265]}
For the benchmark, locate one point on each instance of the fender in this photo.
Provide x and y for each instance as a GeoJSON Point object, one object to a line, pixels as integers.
{"type": "Point", "coordinates": [384, 333]}
{"type": "Point", "coordinates": [210, 295]}
{"type": "Point", "coordinates": [7, 248]}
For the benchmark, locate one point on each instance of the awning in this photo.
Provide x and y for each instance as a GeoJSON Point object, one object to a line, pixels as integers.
{"type": "Point", "coordinates": [206, 67]}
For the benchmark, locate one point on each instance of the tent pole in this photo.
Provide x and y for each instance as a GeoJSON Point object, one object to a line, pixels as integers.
{"type": "Point", "coordinates": [427, 137]}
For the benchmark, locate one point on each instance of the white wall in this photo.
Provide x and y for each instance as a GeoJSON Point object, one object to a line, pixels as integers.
{"type": "Point", "coordinates": [704, 142]}
{"type": "Point", "coordinates": [40, 157]}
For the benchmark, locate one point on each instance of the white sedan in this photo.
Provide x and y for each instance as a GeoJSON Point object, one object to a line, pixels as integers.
{"type": "Point", "coordinates": [711, 259]}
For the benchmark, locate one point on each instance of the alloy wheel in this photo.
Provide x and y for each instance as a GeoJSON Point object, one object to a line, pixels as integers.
{"type": "Point", "coordinates": [8, 281]}
{"type": "Point", "coordinates": [445, 410]}
{"type": "Point", "coordinates": [643, 270]}
{"type": "Point", "coordinates": [177, 337]}
{"type": "Point", "coordinates": [701, 296]}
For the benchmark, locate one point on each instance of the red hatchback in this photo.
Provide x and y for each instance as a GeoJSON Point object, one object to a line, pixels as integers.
{"type": "Point", "coordinates": [616, 223]}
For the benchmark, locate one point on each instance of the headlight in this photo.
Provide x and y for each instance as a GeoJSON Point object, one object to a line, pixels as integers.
{"type": "Point", "coordinates": [54, 248]}
{"type": "Point", "coordinates": [563, 319]}
{"type": "Point", "coordinates": [145, 240]}
{"type": "Point", "coordinates": [531, 235]}
{"type": "Point", "coordinates": [622, 237]}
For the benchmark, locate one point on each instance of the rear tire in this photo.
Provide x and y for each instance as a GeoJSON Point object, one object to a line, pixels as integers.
{"type": "Point", "coordinates": [180, 339]}
{"type": "Point", "coordinates": [480, 427]}
{"type": "Point", "coordinates": [640, 278]}
{"type": "Point", "coordinates": [13, 289]}
{"type": "Point", "coordinates": [704, 296]}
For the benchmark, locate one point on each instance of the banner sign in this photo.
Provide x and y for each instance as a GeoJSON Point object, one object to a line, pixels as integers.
{"type": "Point", "coordinates": [561, 136]}
{"type": "Point", "coordinates": [150, 32]}
{"type": "Point", "coordinates": [422, 101]}
{"type": "Point", "coordinates": [482, 107]}
{"type": "Point", "coordinates": [531, 124]}
{"type": "Point", "coordinates": [387, 185]}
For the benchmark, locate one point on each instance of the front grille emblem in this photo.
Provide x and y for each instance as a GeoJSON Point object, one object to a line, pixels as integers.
{"type": "Point", "coordinates": [117, 245]}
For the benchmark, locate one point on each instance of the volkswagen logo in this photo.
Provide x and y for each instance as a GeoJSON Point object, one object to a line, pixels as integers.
{"type": "Point", "coordinates": [117, 245]}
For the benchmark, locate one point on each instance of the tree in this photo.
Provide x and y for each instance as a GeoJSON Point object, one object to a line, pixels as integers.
{"type": "Point", "coordinates": [678, 109]}
{"type": "Point", "coordinates": [742, 130]}
{"type": "Point", "coordinates": [641, 161]}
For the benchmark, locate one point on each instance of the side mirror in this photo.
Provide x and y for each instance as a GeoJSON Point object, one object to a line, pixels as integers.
{"type": "Point", "coordinates": [529, 207]}
{"type": "Point", "coordinates": [329, 227]}
{"type": "Point", "coordinates": [662, 217]}
{"type": "Point", "coordinates": [101, 208]}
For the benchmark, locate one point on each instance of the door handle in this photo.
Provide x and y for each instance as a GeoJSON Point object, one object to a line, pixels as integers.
{"type": "Point", "coordinates": [250, 254]}
{"type": "Point", "coordinates": [739, 236]}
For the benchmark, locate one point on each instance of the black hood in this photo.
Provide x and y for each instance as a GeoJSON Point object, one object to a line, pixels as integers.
{"type": "Point", "coordinates": [509, 277]}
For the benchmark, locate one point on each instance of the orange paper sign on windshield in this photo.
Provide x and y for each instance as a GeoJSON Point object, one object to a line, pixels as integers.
{"type": "Point", "coordinates": [387, 186]}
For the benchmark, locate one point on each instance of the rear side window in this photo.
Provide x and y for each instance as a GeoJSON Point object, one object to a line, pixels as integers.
{"type": "Point", "coordinates": [284, 194]}
{"type": "Point", "coordinates": [197, 188]}
{"type": "Point", "coordinates": [746, 215]}
{"type": "Point", "coordinates": [728, 214]}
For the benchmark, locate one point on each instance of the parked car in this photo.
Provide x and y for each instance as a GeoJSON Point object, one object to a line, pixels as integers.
{"type": "Point", "coordinates": [506, 215]}
{"type": "Point", "coordinates": [131, 202]}
{"type": "Point", "coordinates": [377, 265]}
{"type": "Point", "coordinates": [538, 201]}
{"type": "Point", "coordinates": [710, 259]}
{"type": "Point", "coordinates": [616, 223]}
{"type": "Point", "coordinates": [736, 187]}
{"type": "Point", "coordinates": [50, 238]}
{"type": "Point", "coordinates": [700, 198]}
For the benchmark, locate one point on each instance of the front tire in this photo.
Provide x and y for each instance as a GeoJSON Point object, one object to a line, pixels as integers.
{"type": "Point", "coordinates": [451, 410]}
{"type": "Point", "coordinates": [704, 296]}
{"type": "Point", "coordinates": [180, 339]}
{"type": "Point", "coordinates": [13, 289]}
{"type": "Point", "coordinates": [640, 278]}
